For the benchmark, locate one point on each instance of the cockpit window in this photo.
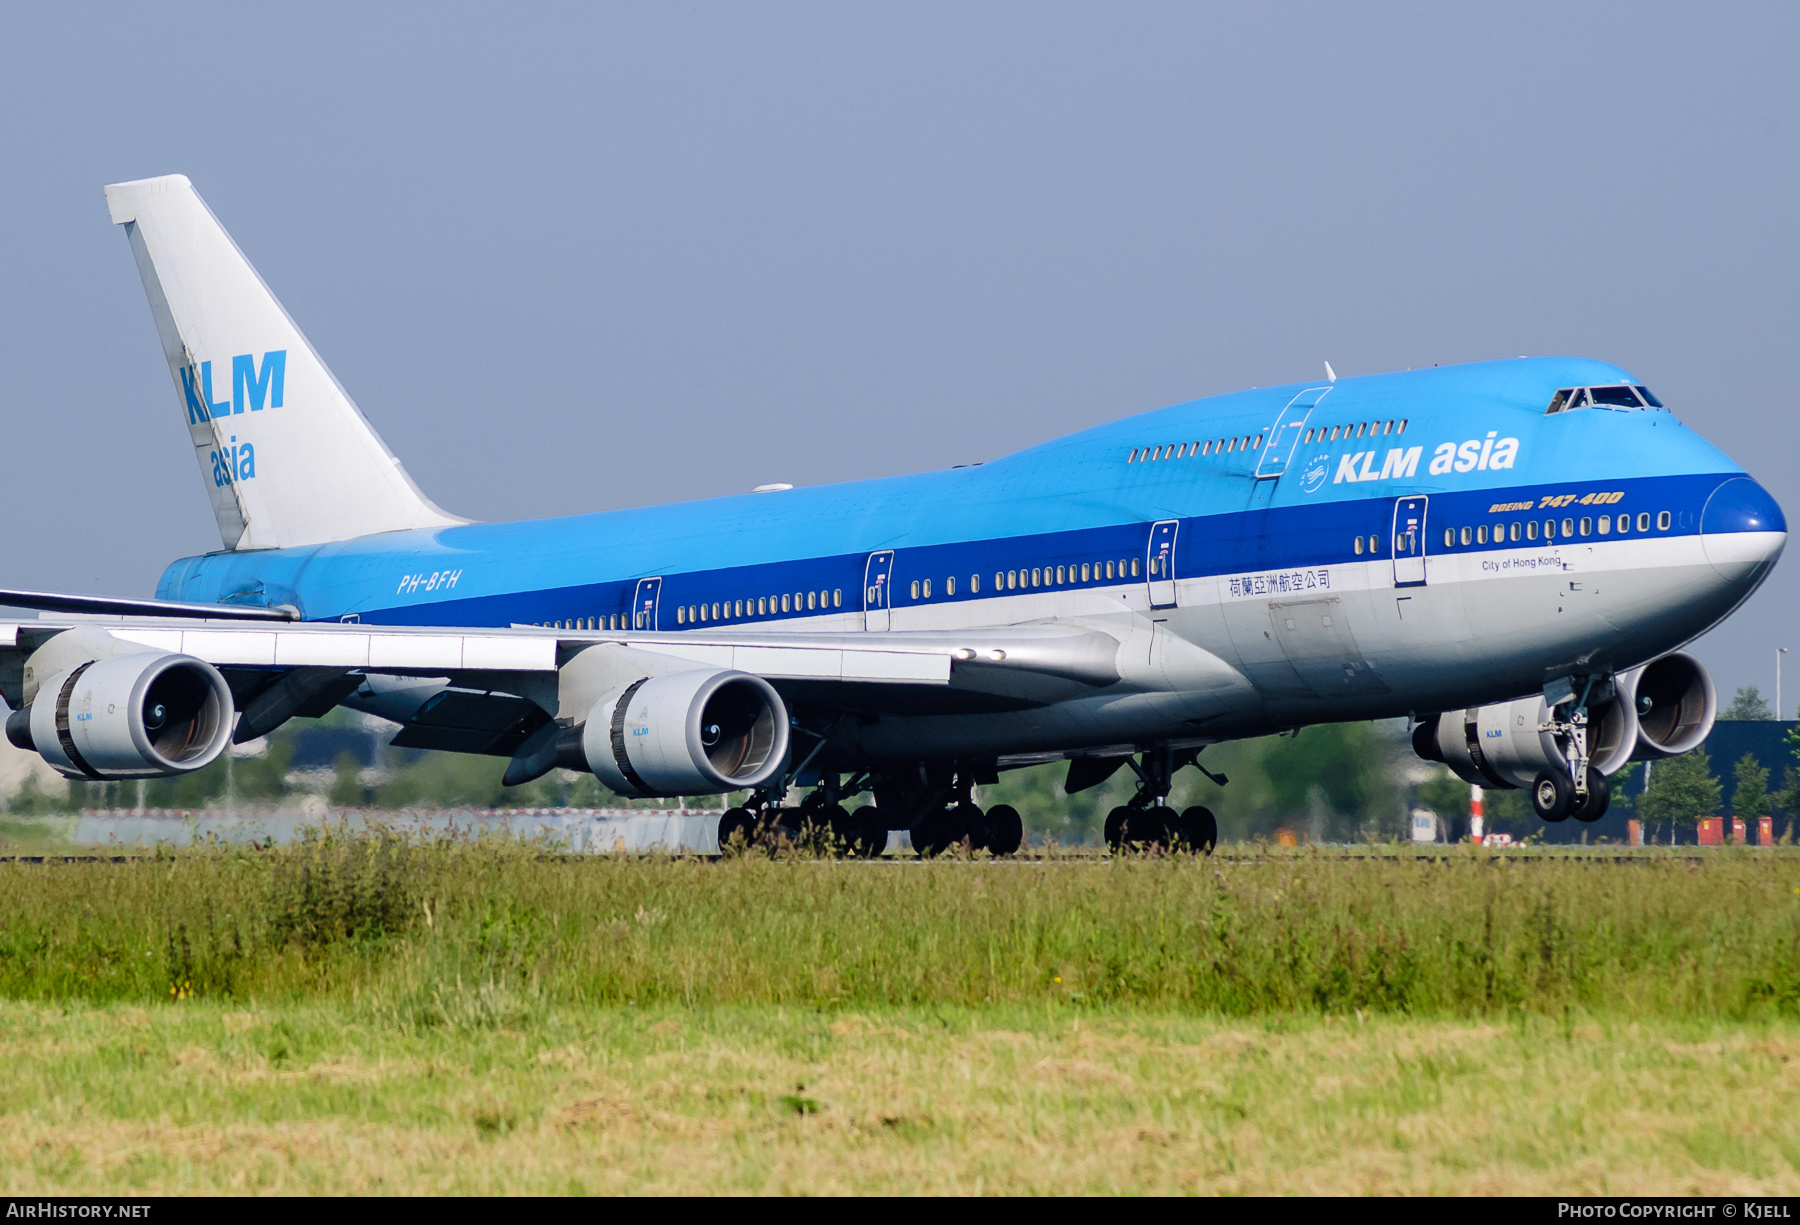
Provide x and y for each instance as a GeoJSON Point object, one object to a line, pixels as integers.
{"type": "Point", "coordinates": [1615, 397]}
{"type": "Point", "coordinates": [1578, 399]}
{"type": "Point", "coordinates": [1559, 401]}
{"type": "Point", "coordinates": [1650, 397]}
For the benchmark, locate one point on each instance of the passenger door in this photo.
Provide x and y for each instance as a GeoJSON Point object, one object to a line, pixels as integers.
{"type": "Point", "coordinates": [644, 602]}
{"type": "Point", "coordinates": [1160, 564]}
{"type": "Point", "coordinates": [878, 582]}
{"type": "Point", "coordinates": [1409, 541]}
{"type": "Point", "coordinates": [1285, 434]}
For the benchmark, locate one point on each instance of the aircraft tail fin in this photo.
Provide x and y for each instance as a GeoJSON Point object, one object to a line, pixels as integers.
{"type": "Point", "coordinates": [286, 456]}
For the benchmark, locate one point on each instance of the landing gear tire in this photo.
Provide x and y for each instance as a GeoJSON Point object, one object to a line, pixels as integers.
{"type": "Point", "coordinates": [1116, 822]}
{"type": "Point", "coordinates": [1164, 825]}
{"type": "Point", "coordinates": [1002, 830]}
{"type": "Point", "coordinates": [941, 830]}
{"type": "Point", "coordinates": [737, 831]}
{"type": "Point", "coordinates": [1553, 795]}
{"type": "Point", "coordinates": [1199, 829]}
{"type": "Point", "coordinates": [787, 828]}
{"type": "Point", "coordinates": [1139, 828]}
{"type": "Point", "coordinates": [835, 822]}
{"type": "Point", "coordinates": [1599, 795]}
{"type": "Point", "coordinates": [868, 832]}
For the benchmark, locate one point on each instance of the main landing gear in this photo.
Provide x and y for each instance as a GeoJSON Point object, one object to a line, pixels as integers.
{"type": "Point", "coordinates": [1147, 821]}
{"type": "Point", "coordinates": [820, 823]}
{"type": "Point", "coordinates": [936, 805]}
{"type": "Point", "coordinates": [1572, 788]}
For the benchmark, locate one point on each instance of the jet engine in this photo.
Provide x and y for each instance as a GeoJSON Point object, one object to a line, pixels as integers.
{"type": "Point", "coordinates": [1661, 709]}
{"type": "Point", "coordinates": [142, 715]}
{"type": "Point", "coordinates": [1675, 702]}
{"type": "Point", "coordinates": [699, 732]}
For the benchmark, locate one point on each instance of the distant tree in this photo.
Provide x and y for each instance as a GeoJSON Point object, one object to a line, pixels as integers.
{"type": "Point", "coordinates": [1787, 800]}
{"type": "Point", "coordinates": [1346, 770]}
{"type": "Point", "coordinates": [1681, 789]}
{"type": "Point", "coordinates": [1747, 703]}
{"type": "Point", "coordinates": [1619, 787]}
{"type": "Point", "coordinates": [347, 789]}
{"type": "Point", "coordinates": [1446, 795]}
{"type": "Point", "coordinates": [1750, 797]}
{"type": "Point", "coordinates": [264, 777]}
{"type": "Point", "coordinates": [32, 800]}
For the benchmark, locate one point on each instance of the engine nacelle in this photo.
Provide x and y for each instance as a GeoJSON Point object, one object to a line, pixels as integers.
{"type": "Point", "coordinates": [142, 715]}
{"type": "Point", "coordinates": [1500, 745]}
{"type": "Point", "coordinates": [1662, 709]}
{"type": "Point", "coordinates": [700, 732]}
{"type": "Point", "coordinates": [1675, 703]}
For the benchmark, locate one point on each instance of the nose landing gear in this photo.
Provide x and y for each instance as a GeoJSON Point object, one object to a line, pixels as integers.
{"type": "Point", "coordinates": [1574, 789]}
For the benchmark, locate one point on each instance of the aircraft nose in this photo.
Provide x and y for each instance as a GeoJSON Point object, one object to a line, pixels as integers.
{"type": "Point", "coordinates": [1742, 530]}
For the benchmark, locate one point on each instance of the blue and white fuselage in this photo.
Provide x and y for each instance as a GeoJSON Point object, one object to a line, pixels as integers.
{"type": "Point", "coordinates": [1642, 535]}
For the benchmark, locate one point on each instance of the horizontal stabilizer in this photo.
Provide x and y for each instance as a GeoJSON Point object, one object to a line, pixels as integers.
{"type": "Point", "coordinates": [111, 606]}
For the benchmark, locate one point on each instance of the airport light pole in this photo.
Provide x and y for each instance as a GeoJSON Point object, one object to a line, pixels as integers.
{"type": "Point", "coordinates": [1779, 652]}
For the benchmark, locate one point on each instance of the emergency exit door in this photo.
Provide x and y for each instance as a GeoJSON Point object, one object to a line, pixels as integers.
{"type": "Point", "coordinates": [878, 582]}
{"type": "Point", "coordinates": [1284, 435]}
{"type": "Point", "coordinates": [1409, 542]}
{"type": "Point", "coordinates": [643, 603]}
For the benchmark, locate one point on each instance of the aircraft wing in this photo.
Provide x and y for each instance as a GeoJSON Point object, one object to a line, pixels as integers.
{"type": "Point", "coordinates": [486, 690]}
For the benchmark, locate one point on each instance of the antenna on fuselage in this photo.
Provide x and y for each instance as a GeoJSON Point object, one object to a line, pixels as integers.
{"type": "Point", "coordinates": [1330, 374]}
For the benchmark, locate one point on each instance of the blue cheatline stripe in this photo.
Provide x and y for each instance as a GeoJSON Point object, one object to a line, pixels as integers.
{"type": "Point", "coordinates": [1210, 545]}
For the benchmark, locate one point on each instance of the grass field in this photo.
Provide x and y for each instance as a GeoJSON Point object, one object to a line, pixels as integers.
{"type": "Point", "coordinates": [375, 1015]}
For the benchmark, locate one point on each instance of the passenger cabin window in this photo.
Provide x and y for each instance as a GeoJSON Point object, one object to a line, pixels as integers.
{"type": "Point", "coordinates": [1662, 520]}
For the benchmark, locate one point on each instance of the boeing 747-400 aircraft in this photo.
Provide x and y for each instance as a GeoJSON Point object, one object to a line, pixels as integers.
{"type": "Point", "coordinates": [1510, 553]}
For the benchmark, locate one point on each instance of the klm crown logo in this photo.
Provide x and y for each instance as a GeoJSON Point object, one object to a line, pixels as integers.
{"type": "Point", "coordinates": [252, 389]}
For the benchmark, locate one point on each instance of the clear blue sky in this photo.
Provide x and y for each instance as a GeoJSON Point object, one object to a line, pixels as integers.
{"type": "Point", "coordinates": [576, 258]}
